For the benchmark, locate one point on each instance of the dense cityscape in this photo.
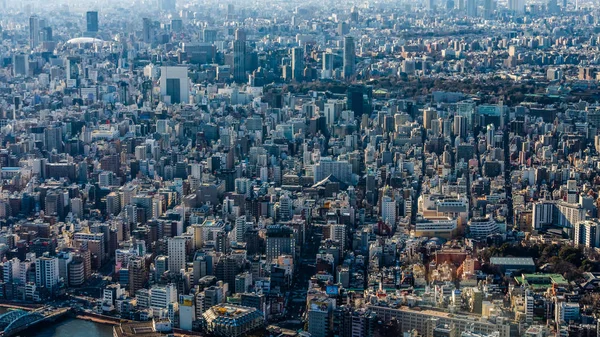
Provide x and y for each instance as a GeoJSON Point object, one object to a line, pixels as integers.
{"type": "Point", "coordinates": [376, 168]}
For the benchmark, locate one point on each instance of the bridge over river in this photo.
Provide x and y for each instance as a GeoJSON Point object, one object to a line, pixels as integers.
{"type": "Point", "coordinates": [18, 320]}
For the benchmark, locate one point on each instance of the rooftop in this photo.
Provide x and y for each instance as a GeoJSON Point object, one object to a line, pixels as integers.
{"type": "Point", "coordinates": [524, 261]}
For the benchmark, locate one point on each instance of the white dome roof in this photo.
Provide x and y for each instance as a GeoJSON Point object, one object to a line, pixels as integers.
{"type": "Point", "coordinates": [84, 40]}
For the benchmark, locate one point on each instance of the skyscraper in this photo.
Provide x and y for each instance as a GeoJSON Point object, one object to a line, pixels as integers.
{"type": "Point", "coordinates": [176, 254]}
{"type": "Point", "coordinates": [147, 33]}
{"type": "Point", "coordinates": [239, 56]}
{"type": "Point", "coordinates": [46, 34]}
{"type": "Point", "coordinates": [488, 8]}
{"type": "Point", "coordinates": [91, 22]}
{"type": "Point", "coordinates": [174, 84]}
{"type": "Point", "coordinates": [20, 64]}
{"type": "Point", "coordinates": [471, 8]}
{"type": "Point", "coordinates": [34, 31]}
{"type": "Point", "coordinates": [297, 63]}
{"type": "Point", "coordinates": [349, 57]}
{"type": "Point", "coordinates": [327, 65]}
{"type": "Point", "coordinates": [460, 126]}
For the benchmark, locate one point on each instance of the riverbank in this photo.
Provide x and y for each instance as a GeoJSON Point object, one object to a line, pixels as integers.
{"type": "Point", "coordinates": [96, 320]}
{"type": "Point", "coordinates": [22, 306]}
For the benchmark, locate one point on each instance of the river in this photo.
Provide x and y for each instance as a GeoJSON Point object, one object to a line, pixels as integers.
{"type": "Point", "coordinates": [69, 327]}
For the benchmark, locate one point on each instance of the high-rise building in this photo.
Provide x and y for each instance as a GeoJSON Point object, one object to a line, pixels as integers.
{"type": "Point", "coordinates": [46, 272]}
{"type": "Point", "coordinates": [187, 312]}
{"type": "Point", "coordinates": [460, 126]}
{"type": "Point", "coordinates": [327, 71]}
{"type": "Point", "coordinates": [338, 232]}
{"type": "Point", "coordinates": [320, 316]}
{"type": "Point", "coordinates": [587, 234]}
{"type": "Point", "coordinates": [91, 22]}
{"type": "Point", "coordinates": [349, 57]}
{"type": "Point", "coordinates": [138, 274]}
{"type": "Point", "coordinates": [297, 63]}
{"type": "Point", "coordinates": [46, 33]}
{"type": "Point", "coordinates": [147, 30]}
{"type": "Point", "coordinates": [280, 240]}
{"type": "Point", "coordinates": [20, 65]}
{"type": "Point", "coordinates": [488, 8]}
{"type": "Point", "coordinates": [34, 31]}
{"type": "Point", "coordinates": [517, 6]}
{"type": "Point", "coordinates": [174, 84]}
{"type": "Point", "coordinates": [73, 72]}
{"type": "Point", "coordinates": [209, 35]}
{"type": "Point", "coordinates": [429, 114]}
{"type": "Point", "coordinates": [388, 210]}
{"type": "Point", "coordinates": [239, 56]}
{"type": "Point", "coordinates": [161, 297]}
{"type": "Point", "coordinates": [472, 8]}
{"type": "Point", "coordinates": [176, 254]}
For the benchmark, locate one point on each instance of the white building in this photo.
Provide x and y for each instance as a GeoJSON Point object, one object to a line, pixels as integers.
{"type": "Point", "coordinates": [587, 233]}
{"type": "Point", "coordinates": [388, 210]}
{"type": "Point", "coordinates": [174, 84]}
{"type": "Point", "coordinates": [187, 311]}
{"type": "Point", "coordinates": [483, 227]}
{"type": "Point", "coordinates": [176, 254]}
{"type": "Point", "coordinates": [161, 297]}
{"type": "Point", "coordinates": [46, 272]}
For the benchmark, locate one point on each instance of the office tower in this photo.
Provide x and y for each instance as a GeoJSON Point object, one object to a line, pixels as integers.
{"type": "Point", "coordinates": [460, 127]}
{"type": "Point", "coordinates": [349, 57]}
{"type": "Point", "coordinates": [517, 6]}
{"type": "Point", "coordinates": [20, 65]}
{"type": "Point", "coordinates": [138, 275]}
{"type": "Point", "coordinates": [34, 31]}
{"type": "Point", "coordinates": [53, 138]}
{"type": "Point", "coordinates": [176, 25]}
{"type": "Point", "coordinates": [388, 210]}
{"type": "Point", "coordinates": [280, 241]}
{"type": "Point", "coordinates": [338, 232]}
{"type": "Point", "coordinates": [209, 35]}
{"type": "Point", "coordinates": [327, 71]}
{"type": "Point", "coordinates": [359, 99]}
{"type": "Point", "coordinates": [430, 5]}
{"type": "Point", "coordinates": [73, 72]}
{"type": "Point", "coordinates": [168, 5]}
{"type": "Point", "coordinates": [46, 272]}
{"type": "Point", "coordinates": [471, 8]}
{"type": "Point", "coordinates": [429, 114]}
{"type": "Point", "coordinates": [488, 8]}
{"type": "Point", "coordinates": [239, 57]}
{"type": "Point", "coordinates": [297, 63]}
{"type": "Point", "coordinates": [91, 22]}
{"type": "Point", "coordinates": [354, 14]}
{"type": "Point", "coordinates": [174, 84]}
{"type": "Point", "coordinates": [147, 31]}
{"type": "Point", "coordinates": [46, 34]}
{"type": "Point", "coordinates": [176, 254]}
